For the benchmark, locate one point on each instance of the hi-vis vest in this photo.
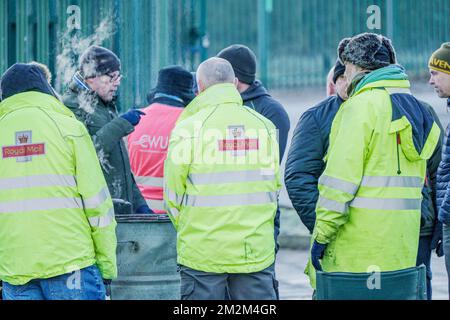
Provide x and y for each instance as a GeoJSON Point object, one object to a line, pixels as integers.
{"type": "Point", "coordinates": [56, 214]}
{"type": "Point", "coordinates": [368, 210]}
{"type": "Point", "coordinates": [147, 147]}
{"type": "Point", "coordinates": [221, 184]}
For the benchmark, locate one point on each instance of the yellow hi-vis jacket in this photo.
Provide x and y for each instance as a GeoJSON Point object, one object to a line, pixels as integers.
{"type": "Point", "coordinates": [221, 184]}
{"type": "Point", "coordinates": [56, 214]}
{"type": "Point", "coordinates": [368, 210]}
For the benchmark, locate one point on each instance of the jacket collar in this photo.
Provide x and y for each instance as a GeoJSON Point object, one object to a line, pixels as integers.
{"type": "Point", "coordinates": [219, 94]}
{"type": "Point", "coordinates": [255, 90]}
{"type": "Point", "coordinates": [393, 76]}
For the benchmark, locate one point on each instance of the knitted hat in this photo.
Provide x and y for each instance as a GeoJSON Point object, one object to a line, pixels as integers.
{"type": "Point", "coordinates": [440, 59]}
{"type": "Point", "coordinates": [97, 61]}
{"type": "Point", "coordinates": [243, 61]}
{"type": "Point", "coordinates": [22, 77]}
{"type": "Point", "coordinates": [174, 81]}
{"type": "Point", "coordinates": [338, 70]}
{"type": "Point", "coordinates": [367, 50]}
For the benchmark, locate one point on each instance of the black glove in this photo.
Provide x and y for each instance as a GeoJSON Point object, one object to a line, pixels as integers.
{"type": "Point", "coordinates": [317, 251]}
{"type": "Point", "coordinates": [107, 283]}
{"type": "Point", "coordinates": [133, 116]}
{"type": "Point", "coordinates": [144, 209]}
{"type": "Point", "coordinates": [436, 240]}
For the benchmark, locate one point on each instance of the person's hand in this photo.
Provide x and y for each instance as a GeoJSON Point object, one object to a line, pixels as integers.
{"type": "Point", "coordinates": [317, 252]}
{"type": "Point", "coordinates": [144, 209]}
{"type": "Point", "coordinates": [436, 240]}
{"type": "Point", "coordinates": [107, 283]}
{"type": "Point", "coordinates": [133, 116]}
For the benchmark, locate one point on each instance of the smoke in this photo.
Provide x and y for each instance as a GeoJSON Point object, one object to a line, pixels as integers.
{"type": "Point", "coordinates": [72, 47]}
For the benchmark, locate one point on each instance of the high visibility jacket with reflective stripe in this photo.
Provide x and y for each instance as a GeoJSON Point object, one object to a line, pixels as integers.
{"type": "Point", "coordinates": [221, 183]}
{"type": "Point", "coordinates": [56, 214]}
{"type": "Point", "coordinates": [368, 210]}
{"type": "Point", "coordinates": [147, 147]}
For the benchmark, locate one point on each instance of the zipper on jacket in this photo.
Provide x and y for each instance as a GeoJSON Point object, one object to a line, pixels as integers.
{"type": "Point", "coordinates": [399, 171]}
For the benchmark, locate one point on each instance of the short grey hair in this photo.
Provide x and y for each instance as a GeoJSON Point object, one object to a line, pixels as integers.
{"type": "Point", "coordinates": [214, 71]}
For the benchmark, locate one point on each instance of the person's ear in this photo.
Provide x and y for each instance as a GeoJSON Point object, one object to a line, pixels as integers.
{"type": "Point", "coordinates": [236, 82]}
{"type": "Point", "coordinates": [200, 86]}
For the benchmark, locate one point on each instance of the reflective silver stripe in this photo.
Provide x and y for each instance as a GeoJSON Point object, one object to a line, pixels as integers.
{"type": "Point", "coordinates": [231, 199]}
{"type": "Point", "coordinates": [398, 90]}
{"type": "Point", "coordinates": [173, 196]}
{"type": "Point", "coordinates": [150, 181]}
{"type": "Point", "coordinates": [48, 180]}
{"type": "Point", "coordinates": [231, 177]}
{"type": "Point", "coordinates": [102, 221]}
{"type": "Point", "coordinates": [386, 203]}
{"type": "Point", "coordinates": [155, 204]}
{"type": "Point", "coordinates": [174, 212]}
{"type": "Point", "coordinates": [338, 184]}
{"type": "Point", "coordinates": [393, 181]}
{"type": "Point", "coordinates": [333, 205]}
{"type": "Point", "coordinates": [98, 199]}
{"type": "Point", "coordinates": [40, 204]}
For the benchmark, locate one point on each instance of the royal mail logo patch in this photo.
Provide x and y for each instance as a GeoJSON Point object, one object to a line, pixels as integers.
{"type": "Point", "coordinates": [235, 145]}
{"type": "Point", "coordinates": [237, 141]}
{"type": "Point", "coordinates": [24, 149]}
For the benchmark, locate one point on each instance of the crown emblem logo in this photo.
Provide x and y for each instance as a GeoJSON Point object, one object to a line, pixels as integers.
{"type": "Point", "coordinates": [23, 139]}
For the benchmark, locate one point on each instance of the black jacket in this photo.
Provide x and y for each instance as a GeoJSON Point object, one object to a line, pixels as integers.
{"type": "Point", "coordinates": [305, 163]}
{"type": "Point", "coordinates": [443, 179]}
{"type": "Point", "coordinates": [257, 98]}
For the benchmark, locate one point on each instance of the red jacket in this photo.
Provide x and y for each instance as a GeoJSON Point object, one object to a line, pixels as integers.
{"type": "Point", "coordinates": [147, 147]}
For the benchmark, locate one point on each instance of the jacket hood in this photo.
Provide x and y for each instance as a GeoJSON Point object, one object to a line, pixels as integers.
{"type": "Point", "coordinates": [416, 131]}
{"type": "Point", "coordinates": [216, 95]}
{"type": "Point", "coordinates": [388, 75]}
{"type": "Point", "coordinates": [255, 90]}
{"type": "Point", "coordinates": [23, 77]}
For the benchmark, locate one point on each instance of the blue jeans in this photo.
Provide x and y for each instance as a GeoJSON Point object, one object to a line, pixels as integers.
{"type": "Point", "coordinates": [424, 257]}
{"type": "Point", "coordinates": [84, 284]}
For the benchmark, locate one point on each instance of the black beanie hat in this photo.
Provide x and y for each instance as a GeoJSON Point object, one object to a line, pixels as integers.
{"type": "Point", "coordinates": [97, 61]}
{"type": "Point", "coordinates": [243, 61]}
{"type": "Point", "coordinates": [22, 77]}
{"type": "Point", "coordinates": [338, 71]}
{"type": "Point", "coordinates": [175, 81]}
{"type": "Point", "coordinates": [367, 50]}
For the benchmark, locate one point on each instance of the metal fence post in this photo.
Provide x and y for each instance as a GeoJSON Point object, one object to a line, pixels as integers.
{"type": "Point", "coordinates": [265, 8]}
{"type": "Point", "coordinates": [3, 35]}
{"type": "Point", "coordinates": [390, 19]}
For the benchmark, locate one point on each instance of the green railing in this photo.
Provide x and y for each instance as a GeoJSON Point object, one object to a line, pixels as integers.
{"type": "Point", "coordinates": [295, 40]}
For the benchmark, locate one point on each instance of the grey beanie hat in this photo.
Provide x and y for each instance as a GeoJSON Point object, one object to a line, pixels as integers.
{"type": "Point", "coordinates": [97, 61]}
{"type": "Point", "coordinates": [367, 50]}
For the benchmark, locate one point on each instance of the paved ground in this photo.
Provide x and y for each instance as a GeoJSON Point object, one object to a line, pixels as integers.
{"type": "Point", "coordinates": [294, 237]}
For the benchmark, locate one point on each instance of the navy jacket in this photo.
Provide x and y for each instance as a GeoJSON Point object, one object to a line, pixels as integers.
{"type": "Point", "coordinates": [257, 98]}
{"type": "Point", "coordinates": [305, 163]}
{"type": "Point", "coordinates": [443, 179]}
